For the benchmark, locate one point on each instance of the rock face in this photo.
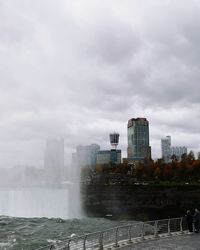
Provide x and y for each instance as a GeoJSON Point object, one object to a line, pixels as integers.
{"type": "Point", "coordinates": [139, 202]}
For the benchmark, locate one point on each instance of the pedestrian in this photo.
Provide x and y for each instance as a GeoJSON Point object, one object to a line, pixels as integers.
{"type": "Point", "coordinates": [196, 218]}
{"type": "Point", "coordinates": [189, 220]}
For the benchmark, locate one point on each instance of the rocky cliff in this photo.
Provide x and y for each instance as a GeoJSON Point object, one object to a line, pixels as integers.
{"type": "Point", "coordinates": [139, 202]}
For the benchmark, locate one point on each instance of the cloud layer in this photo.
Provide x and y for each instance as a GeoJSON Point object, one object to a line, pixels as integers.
{"type": "Point", "coordinates": [80, 70]}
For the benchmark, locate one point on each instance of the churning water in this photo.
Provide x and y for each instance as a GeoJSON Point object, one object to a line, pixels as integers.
{"type": "Point", "coordinates": [34, 212]}
{"type": "Point", "coordinates": [30, 234]}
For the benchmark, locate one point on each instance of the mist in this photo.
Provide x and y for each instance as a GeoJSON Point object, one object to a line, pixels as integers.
{"type": "Point", "coordinates": [79, 71]}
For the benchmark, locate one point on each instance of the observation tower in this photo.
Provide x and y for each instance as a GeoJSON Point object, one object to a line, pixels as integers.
{"type": "Point", "coordinates": [114, 140]}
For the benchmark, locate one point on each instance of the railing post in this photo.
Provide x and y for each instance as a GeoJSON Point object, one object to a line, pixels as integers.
{"type": "Point", "coordinates": [143, 233]}
{"type": "Point", "coordinates": [68, 244]}
{"type": "Point", "coordinates": [101, 241]}
{"type": "Point", "coordinates": [129, 234]}
{"type": "Point", "coordinates": [84, 242]}
{"type": "Point", "coordinates": [116, 237]}
{"type": "Point", "coordinates": [168, 227]}
{"type": "Point", "coordinates": [156, 229]}
{"type": "Point", "coordinates": [181, 225]}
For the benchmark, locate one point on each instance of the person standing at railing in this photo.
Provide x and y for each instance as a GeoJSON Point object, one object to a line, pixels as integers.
{"type": "Point", "coordinates": [189, 220]}
{"type": "Point", "coordinates": [196, 218]}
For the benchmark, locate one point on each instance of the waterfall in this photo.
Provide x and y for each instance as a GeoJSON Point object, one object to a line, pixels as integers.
{"type": "Point", "coordinates": [40, 202]}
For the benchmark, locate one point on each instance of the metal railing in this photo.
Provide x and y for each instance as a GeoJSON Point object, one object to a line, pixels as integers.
{"type": "Point", "coordinates": [122, 235]}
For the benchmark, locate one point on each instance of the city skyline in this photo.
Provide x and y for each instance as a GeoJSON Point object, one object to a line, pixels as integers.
{"type": "Point", "coordinates": [80, 71]}
{"type": "Point", "coordinates": [106, 146]}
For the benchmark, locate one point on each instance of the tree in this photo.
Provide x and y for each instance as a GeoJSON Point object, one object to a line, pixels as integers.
{"type": "Point", "coordinates": [195, 170]}
{"type": "Point", "coordinates": [157, 173]}
{"type": "Point", "coordinates": [174, 158]}
{"type": "Point", "coordinates": [183, 157]}
{"type": "Point", "coordinates": [190, 157]}
{"type": "Point", "coordinates": [99, 168]}
{"type": "Point", "coordinates": [181, 171]}
{"type": "Point", "coordinates": [168, 172]}
{"type": "Point", "coordinates": [139, 171]}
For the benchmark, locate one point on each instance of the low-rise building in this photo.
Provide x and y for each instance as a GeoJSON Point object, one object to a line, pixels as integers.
{"type": "Point", "coordinates": [86, 155]}
{"type": "Point", "coordinates": [112, 156]}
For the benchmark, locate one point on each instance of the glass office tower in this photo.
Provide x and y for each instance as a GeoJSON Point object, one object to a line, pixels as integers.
{"type": "Point", "coordinates": [138, 139]}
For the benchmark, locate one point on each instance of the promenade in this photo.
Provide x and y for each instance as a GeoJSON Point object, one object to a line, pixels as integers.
{"type": "Point", "coordinates": [183, 242]}
{"type": "Point", "coordinates": [163, 234]}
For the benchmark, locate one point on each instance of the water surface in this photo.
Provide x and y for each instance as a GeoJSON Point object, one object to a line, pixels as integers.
{"type": "Point", "coordinates": [29, 234]}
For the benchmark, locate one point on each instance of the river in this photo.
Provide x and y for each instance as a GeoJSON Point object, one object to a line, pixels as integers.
{"type": "Point", "coordinates": [34, 217]}
{"type": "Point", "coordinates": [31, 233]}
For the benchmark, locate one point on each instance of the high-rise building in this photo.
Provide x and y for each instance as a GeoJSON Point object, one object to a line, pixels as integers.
{"type": "Point", "coordinates": [166, 149]}
{"type": "Point", "coordinates": [54, 161]}
{"type": "Point", "coordinates": [138, 139]}
{"type": "Point", "coordinates": [86, 156]}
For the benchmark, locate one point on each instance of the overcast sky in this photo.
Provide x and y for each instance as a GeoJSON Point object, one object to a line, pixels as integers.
{"type": "Point", "coordinates": [80, 69]}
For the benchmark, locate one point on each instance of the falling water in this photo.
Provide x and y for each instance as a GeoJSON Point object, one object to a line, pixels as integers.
{"type": "Point", "coordinates": [51, 201]}
{"type": "Point", "coordinates": [51, 192]}
{"type": "Point", "coordinates": [40, 202]}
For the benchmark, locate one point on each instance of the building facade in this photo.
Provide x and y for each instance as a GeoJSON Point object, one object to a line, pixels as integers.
{"type": "Point", "coordinates": [112, 156]}
{"type": "Point", "coordinates": [178, 151]}
{"type": "Point", "coordinates": [166, 149]}
{"type": "Point", "coordinates": [138, 139]}
{"type": "Point", "coordinates": [86, 156]}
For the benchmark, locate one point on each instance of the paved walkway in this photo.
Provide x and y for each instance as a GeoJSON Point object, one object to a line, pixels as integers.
{"type": "Point", "coordinates": [185, 242]}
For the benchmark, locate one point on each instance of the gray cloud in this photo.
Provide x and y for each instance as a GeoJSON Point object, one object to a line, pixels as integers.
{"type": "Point", "coordinates": [80, 71]}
